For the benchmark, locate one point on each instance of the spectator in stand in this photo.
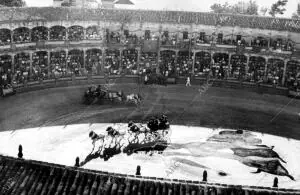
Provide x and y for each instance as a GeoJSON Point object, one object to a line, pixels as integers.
{"type": "Point", "coordinates": [148, 62]}
{"type": "Point", "coordinates": [275, 72]}
{"type": "Point", "coordinates": [112, 62]}
{"type": "Point", "coordinates": [129, 61]}
{"type": "Point", "coordinates": [5, 69]}
{"type": "Point", "coordinates": [58, 33]}
{"type": "Point", "coordinates": [202, 64]}
{"type": "Point", "coordinates": [167, 63]}
{"type": "Point", "coordinates": [58, 64]}
{"type": "Point", "coordinates": [22, 68]}
{"type": "Point", "coordinates": [39, 34]}
{"type": "Point", "coordinates": [93, 33]}
{"type": "Point", "coordinates": [75, 33]}
{"type": "Point", "coordinates": [184, 63]}
{"type": "Point", "coordinates": [75, 63]}
{"type": "Point", "coordinates": [21, 35]}
{"type": "Point", "coordinates": [39, 65]}
{"type": "Point", "coordinates": [5, 37]}
{"type": "Point", "coordinates": [93, 60]}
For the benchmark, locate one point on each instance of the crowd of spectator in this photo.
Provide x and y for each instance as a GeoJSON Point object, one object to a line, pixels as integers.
{"type": "Point", "coordinates": [5, 37]}
{"type": "Point", "coordinates": [281, 45]}
{"type": "Point", "coordinates": [275, 68]}
{"type": "Point", "coordinates": [184, 65]}
{"type": "Point", "coordinates": [75, 61]}
{"type": "Point", "coordinates": [112, 62]}
{"type": "Point", "coordinates": [202, 63]}
{"type": "Point", "coordinates": [292, 75]}
{"type": "Point", "coordinates": [220, 68]}
{"type": "Point", "coordinates": [22, 68]}
{"type": "Point", "coordinates": [39, 65]}
{"type": "Point", "coordinates": [75, 33]}
{"type": "Point", "coordinates": [21, 35]}
{"type": "Point", "coordinates": [5, 70]}
{"type": "Point", "coordinates": [58, 64]}
{"type": "Point", "coordinates": [62, 64]}
{"type": "Point", "coordinates": [58, 33]}
{"type": "Point", "coordinates": [238, 66]}
{"type": "Point", "coordinates": [148, 62]}
{"type": "Point", "coordinates": [167, 39]}
{"type": "Point", "coordinates": [256, 70]}
{"type": "Point", "coordinates": [93, 33]}
{"type": "Point", "coordinates": [39, 33]}
{"type": "Point", "coordinates": [93, 60]}
{"type": "Point", "coordinates": [129, 61]}
{"type": "Point", "coordinates": [167, 63]}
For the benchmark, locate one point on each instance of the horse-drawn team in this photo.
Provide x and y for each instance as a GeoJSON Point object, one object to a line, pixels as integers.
{"type": "Point", "coordinates": [102, 93]}
{"type": "Point", "coordinates": [155, 130]}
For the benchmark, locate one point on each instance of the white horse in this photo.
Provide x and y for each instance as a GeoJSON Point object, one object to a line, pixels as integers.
{"type": "Point", "coordinates": [133, 98]}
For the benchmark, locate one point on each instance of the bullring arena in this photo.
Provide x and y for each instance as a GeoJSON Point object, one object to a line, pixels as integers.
{"type": "Point", "coordinates": [235, 123]}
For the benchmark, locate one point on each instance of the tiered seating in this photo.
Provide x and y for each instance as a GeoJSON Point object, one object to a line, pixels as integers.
{"type": "Point", "coordinates": [148, 62]}
{"type": "Point", "coordinates": [184, 63]}
{"type": "Point", "coordinates": [93, 33]}
{"type": "Point", "coordinates": [58, 33]}
{"type": "Point", "coordinates": [167, 63]}
{"type": "Point", "coordinates": [58, 64]}
{"type": "Point", "coordinates": [202, 63]}
{"type": "Point", "coordinates": [292, 74]}
{"type": "Point", "coordinates": [40, 65]}
{"type": "Point", "coordinates": [75, 63]}
{"type": "Point", "coordinates": [75, 33]}
{"type": "Point", "coordinates": [21, 35]}
{"type": "Point", "coordinates": [5, 37]}
{"type": "Point", "coordinates": [5, 69]}
{"type": "Point", "coordinates": [275, 69]}
{"type": "Point", "coordinates": [220, 67]}
{"type": "Point", "coordinates": [112, 62]}
{"type": "Point", "coordinates": [256, 71]}
{"type": "Point", "coordinates": [39, 33]}
{"type": "Point", "coordinates": [129, 61]}
{"type": "Point", "coordinates": [22, 67]}
{"type": "Point", "coordinates": [238, 66]}
{"type": "Point", "coordinates": [93, 60]}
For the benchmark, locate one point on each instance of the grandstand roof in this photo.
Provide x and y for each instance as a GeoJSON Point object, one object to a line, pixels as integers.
{"type": "Point", "coordinates": [20, 176]}
{"type": "Point", "coordinates": [59, 14]}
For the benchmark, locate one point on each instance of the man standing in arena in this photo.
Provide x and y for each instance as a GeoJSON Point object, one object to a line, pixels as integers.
{"type": "Point", "coordinates": [188, 81]}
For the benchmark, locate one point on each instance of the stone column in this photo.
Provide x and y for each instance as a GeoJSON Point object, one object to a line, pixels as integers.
{"type": "Point", "coordinates": [194, 59]}
{"type": "Point", "coordinates": [67, 34]}
{"type": "Point", "coordinates": [13, 63]}
{"type": "Point", "coordinates": [48, 64]}
{"type": "Point", "coordinates": [266, 67]}
{"type": "Point", "coordinates": [84, 58]}
{"type": "Point", "coordinates": [284, 72]}
{"type": "Point", "coordinates": [12, 37]}
{"type": "Point", "coordinates": [103, 61]}
{"type": "Point", "coordinates": [84, 34]}
{"type": "Point", "coordinates": [30, 35]}
{"type": "Point", "coordinates": [120, 62]}
{"type": "Point", "coordinates": [158, 59]}
{"type": "Point", "coordinates": [247, 63]}
{"type": "Point", "coordinates": [139, 59]}
{"type": "Point", "coordinates": [30, 67]}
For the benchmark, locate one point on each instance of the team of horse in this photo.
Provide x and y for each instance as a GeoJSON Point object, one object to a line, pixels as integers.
{"type": "Point", "coordinates": [101, 93]}
{"type": "Point", "coordinates": [138, 138]}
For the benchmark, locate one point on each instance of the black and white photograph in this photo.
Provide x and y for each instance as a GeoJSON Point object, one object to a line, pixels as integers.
{"type": "Point", "coordinates": [149, 97]}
